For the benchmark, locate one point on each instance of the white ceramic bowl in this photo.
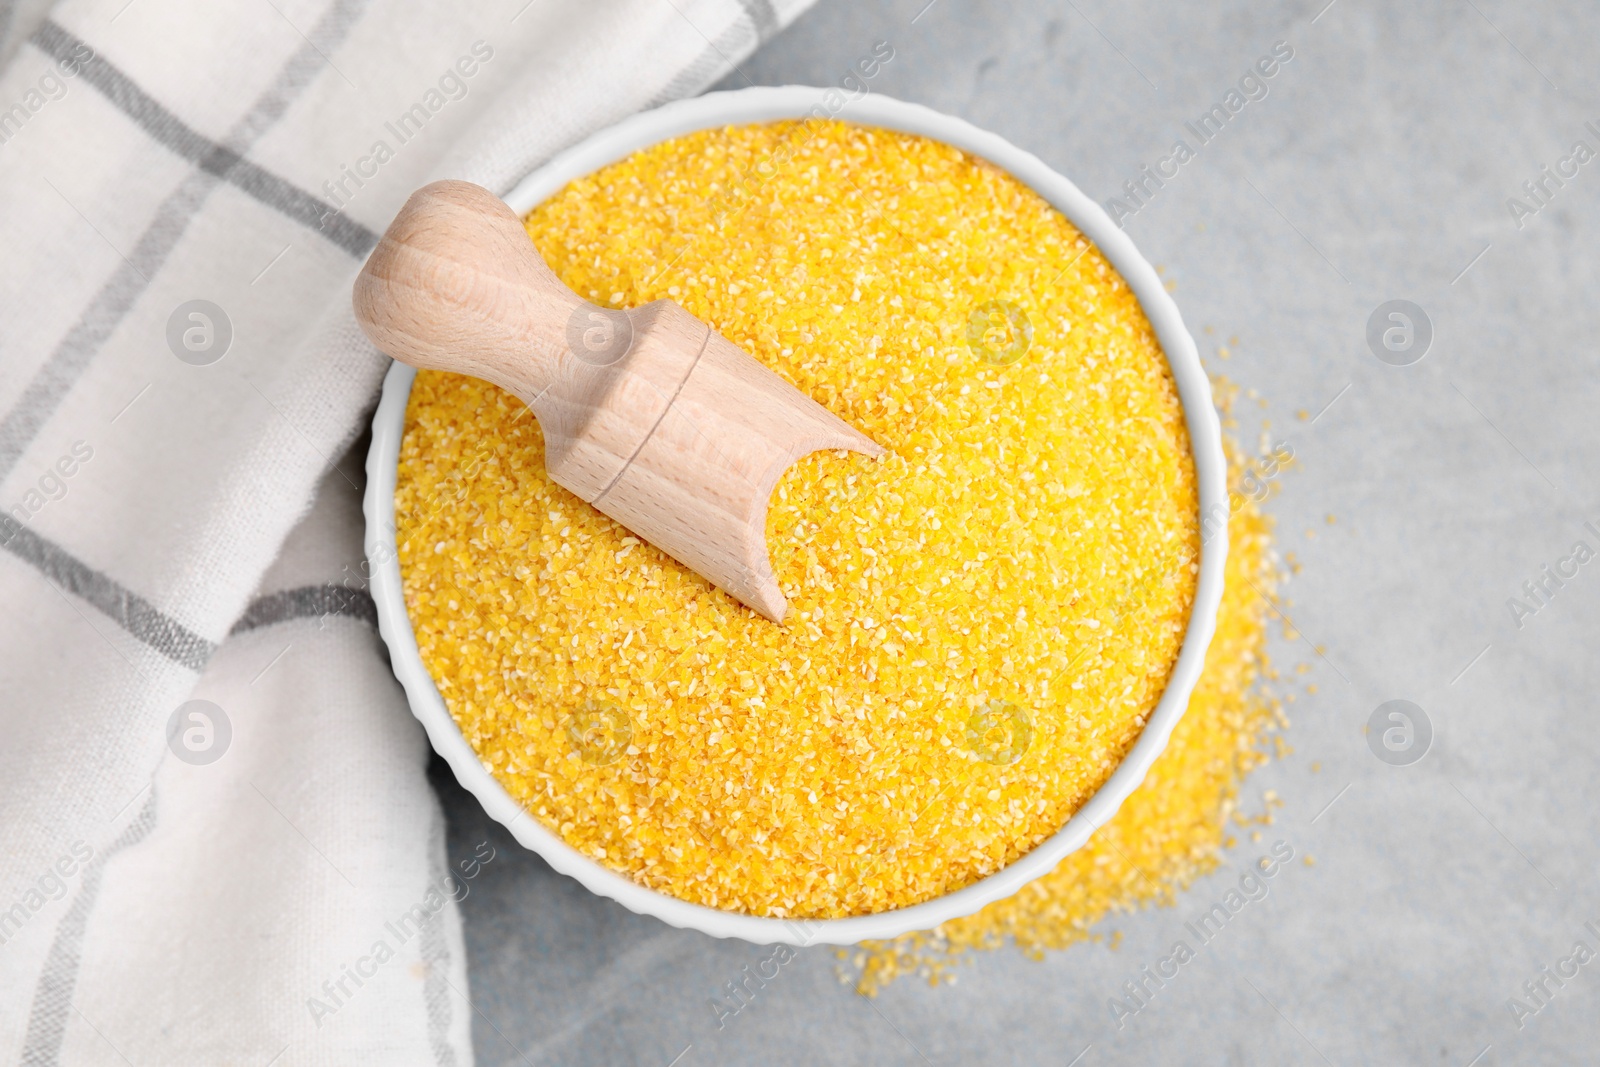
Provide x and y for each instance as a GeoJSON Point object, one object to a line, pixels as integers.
{"type": "Point", "coordinates": [765, 105]}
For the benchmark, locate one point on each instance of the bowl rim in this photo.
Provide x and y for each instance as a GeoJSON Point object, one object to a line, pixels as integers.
{"type": "Point", "coordinates": [766, 104]}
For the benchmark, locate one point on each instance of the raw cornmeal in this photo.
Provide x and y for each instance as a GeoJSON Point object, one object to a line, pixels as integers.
{"type": "Point", "coordinates": [1173, 828]}
{"type": "Point", "coordinates": [980, 622]}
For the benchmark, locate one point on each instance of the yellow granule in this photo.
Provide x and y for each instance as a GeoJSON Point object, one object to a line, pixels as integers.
{"type": "Point", "coordinates": [981, 621]}
{"type": "Point", "coordinates": [1169, 831]}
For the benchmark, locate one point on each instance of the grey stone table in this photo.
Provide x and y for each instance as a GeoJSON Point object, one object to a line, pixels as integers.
{"type": "Point", "coordinates": [1386, 161]}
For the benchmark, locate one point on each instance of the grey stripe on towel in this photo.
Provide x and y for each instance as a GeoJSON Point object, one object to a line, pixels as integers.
{"type": "Point", "coordinates": [307, 602]}
{"type": "Point", "coordinates": [142, 619]}
{"type": "Point", "coordinates": [208, 155]}
{"type": "Point", "coordinates": [764, 17]}
{"type": "Point", "coordinates": [52, 997]}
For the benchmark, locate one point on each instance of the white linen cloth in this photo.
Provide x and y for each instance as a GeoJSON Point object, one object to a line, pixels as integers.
{"type": "Point", "coordinates": [219, 893]}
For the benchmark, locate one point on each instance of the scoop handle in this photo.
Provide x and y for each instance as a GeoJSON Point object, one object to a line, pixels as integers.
{"type": "Point", "coordinates": [456, 285]}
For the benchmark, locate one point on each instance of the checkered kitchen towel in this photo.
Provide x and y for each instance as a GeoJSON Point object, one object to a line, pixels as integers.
{"type": "Point", "coordinates": [217, 844]}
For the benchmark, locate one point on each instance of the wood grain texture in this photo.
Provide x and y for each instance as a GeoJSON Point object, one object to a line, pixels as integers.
{"type": "Point", "coordinates": [648, 414]}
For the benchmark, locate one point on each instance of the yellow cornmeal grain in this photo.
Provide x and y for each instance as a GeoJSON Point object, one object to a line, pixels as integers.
{"type": "Point", "coordinates": [1013, 578]}
{"type": "Point", "coordinates": [1173, 828]}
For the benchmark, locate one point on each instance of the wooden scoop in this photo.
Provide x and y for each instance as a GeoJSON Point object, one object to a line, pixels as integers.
{"type": "Point", "coordinates": [648, 414]}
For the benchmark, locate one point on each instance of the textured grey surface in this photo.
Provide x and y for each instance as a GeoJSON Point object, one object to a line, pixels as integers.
{"type": "Point", "coordinates": [1378, 167]}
